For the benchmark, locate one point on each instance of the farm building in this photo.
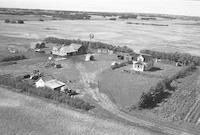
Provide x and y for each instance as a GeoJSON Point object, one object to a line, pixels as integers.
{"type": "Point", "coordinates": [68, 50]}
{"type": "Point", "coordinates": [41, 81]}
{"type": "Point", "coordinates": [144, 62]}
{"type": "Point", "coordinates": [54, 84]}
{"type": "Point", "coordinates": [49, 83]}
{"type": "Point", "coordinates": [89, 57]}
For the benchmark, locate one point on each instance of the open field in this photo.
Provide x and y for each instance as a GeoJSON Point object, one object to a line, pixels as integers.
{"type": "Point", "coordinates": [20, 114]}
{"type": "Point", "coordinates": [183, 38]}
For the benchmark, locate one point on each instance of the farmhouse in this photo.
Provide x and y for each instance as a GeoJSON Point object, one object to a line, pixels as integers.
{"type": "Point", "coordinates": [144, 62]}
{"type": "Point", "coordinates": [68, 50]}
{"type": "Point", "coordinates": [49, 83]}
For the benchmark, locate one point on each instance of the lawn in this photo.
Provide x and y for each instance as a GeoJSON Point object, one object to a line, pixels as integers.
{"type": "Point", "coordinates": [125, 88]}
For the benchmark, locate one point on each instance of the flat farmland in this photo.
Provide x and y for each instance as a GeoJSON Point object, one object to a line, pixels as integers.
{"type": "Point", "coordinates": [174, 37]}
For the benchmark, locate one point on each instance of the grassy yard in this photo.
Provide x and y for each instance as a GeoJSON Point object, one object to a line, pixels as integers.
{"type": "Point", "coordinates": [125, 88]}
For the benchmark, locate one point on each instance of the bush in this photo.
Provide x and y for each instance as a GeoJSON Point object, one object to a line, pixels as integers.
{"type": "Point", "coordinates": [7, 21]}
{"type": "Point", "coordinates": [20, 21]}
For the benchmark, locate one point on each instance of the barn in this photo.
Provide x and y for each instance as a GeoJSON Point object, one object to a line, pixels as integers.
{"type": "Point", "coordinates": [69, 50]}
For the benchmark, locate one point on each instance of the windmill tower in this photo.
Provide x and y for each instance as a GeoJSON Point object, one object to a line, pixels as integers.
{"type": "Point", "coordinates": [91, 36]}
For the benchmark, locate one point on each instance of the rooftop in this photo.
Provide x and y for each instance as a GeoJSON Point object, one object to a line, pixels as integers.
{"type": "Point", "coordinates": [54, 84]}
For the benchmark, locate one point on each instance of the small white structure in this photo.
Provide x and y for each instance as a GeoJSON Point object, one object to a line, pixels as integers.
{"type": "Point", "coordinates": [144, 62]}
{"type": "Point", "coordinates": [114, 63]}
{"type": "Point", "coordinates": [40, 83]}
{"type": "Point", "coordinates": [88, 57]}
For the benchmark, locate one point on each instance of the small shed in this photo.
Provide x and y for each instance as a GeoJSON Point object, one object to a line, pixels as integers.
{"type": "Point", "coordinates": [42, 80]}
{"type": "Point", "coordinates": [89, 57]}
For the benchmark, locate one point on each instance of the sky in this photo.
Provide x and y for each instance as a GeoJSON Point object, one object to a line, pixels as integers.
{"type": "Point", "coordinates": [175, 7]}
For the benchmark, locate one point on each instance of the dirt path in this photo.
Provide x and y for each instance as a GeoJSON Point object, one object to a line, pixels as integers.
{"type": "Point", "coordinates": [106, 103]}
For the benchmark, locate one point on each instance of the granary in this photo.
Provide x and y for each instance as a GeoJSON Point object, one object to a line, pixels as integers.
{"type": "Point", "coordinates": [144, 62]}
{"type": "Point", "coordinates": [89, 57]}
{"type": "Point", "coordinates": [49, 83]}
{"type": "Point", "coordinates": [68, 50]}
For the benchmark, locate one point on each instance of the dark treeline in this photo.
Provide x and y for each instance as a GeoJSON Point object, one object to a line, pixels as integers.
{"type": "Point", "coordinates": [94, 45]}
{"type": "Point", "coordinates": [158, 93]}
{"type": "Point", "coordinates": [25, 86]}
{"type": "Point", "coordinates": [13, 58]}
{"type": "Point", "coordinates": [14, 21]}
{"type": "Point", "coordinates": [183, 58]}
{"type": "Point", "coordinates": [128, 16]}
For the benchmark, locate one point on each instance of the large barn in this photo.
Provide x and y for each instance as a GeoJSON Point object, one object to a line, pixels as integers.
{"type": "Point", "coordinates": [144, 62]}
{"type": "Point", "coordinates": [69, 50]}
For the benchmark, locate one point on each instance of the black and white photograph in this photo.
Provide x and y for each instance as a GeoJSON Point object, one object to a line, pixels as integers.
{"type": "Point", "coordinates": [99, 67]}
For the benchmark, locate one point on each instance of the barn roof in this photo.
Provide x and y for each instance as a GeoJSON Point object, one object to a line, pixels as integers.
{"type": "Point", "coordinates": [64, 49]}
{"type": "Point", "coordinates": [53, 84]}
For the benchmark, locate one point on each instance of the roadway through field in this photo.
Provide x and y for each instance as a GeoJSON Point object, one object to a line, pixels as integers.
{"type": "Point", "coordinates": [106, 103]}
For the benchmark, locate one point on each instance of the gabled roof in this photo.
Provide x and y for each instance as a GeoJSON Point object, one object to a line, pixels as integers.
{"type": "Point", "coordinates": [64, 49]}
{"type": "Point", "coordinates": [70, 48]}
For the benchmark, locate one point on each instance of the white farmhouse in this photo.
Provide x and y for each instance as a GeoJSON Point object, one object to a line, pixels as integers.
{"type": "Point", "coordinates": [144, 62]}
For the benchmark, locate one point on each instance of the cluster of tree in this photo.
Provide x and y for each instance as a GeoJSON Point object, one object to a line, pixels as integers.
{"type": "Point", "coordinates": [14, 21]}
{"type": "Point", "coordinates": [94, 45]}
{"type": "Point", "coordinates": [13, 58]}
{"type": "Point", "coordinates": [128, 16]}
{"type": "Point", "coordinates": [76, 16]}
{"type": "Point", "coordinates": [155, 95]}
{"type": "Point", "coordinates": [183, 58]}
{"type": "Point", "coordinates": [21, 85]}
{"type": "Point", "coordinates": [148, 18]}
{"type": "Point", "coordinates": [113, 19]}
